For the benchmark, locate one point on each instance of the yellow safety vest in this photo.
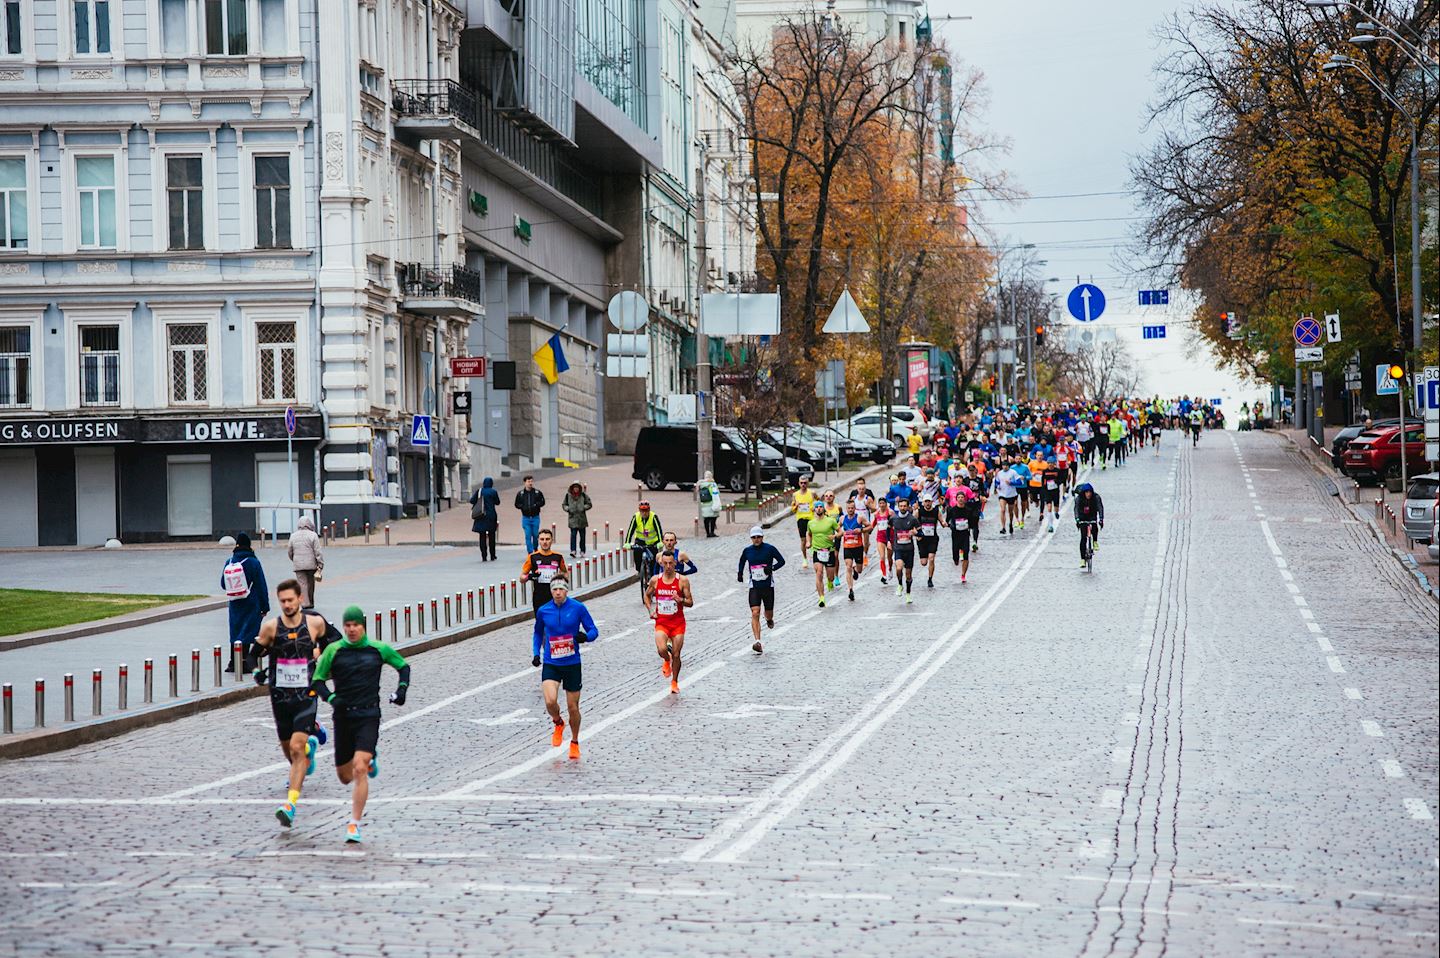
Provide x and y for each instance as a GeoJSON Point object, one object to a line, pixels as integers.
{"type": "Point", "coordinates": [645, 529]}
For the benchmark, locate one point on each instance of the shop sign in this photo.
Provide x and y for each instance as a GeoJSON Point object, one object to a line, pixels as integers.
{"type": "Point", "coordinates": [76, 430]}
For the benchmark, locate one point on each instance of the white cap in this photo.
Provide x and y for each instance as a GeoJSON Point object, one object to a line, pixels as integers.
{"type": "Point", "coordinates": [757, 531]}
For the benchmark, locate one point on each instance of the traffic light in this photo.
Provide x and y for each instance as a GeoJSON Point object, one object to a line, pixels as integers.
{"type": "Point", "coordinates": [1396, 371]}
{"type": "Point", "coordinates": [990, 384]}
{"type": "Point", "coordinates": [1039, 335]}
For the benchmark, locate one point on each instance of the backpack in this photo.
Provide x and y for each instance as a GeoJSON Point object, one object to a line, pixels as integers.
{"type": "Point", "coordinates": [234, 580]}
{"type": "Point", "coordinates": [705, 494]}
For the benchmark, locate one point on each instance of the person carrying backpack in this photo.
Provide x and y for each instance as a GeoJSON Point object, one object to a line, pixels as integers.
{"type": "Point", "coordinates": [709, 492]}
{"type": "Point", "coordinates": [243, 581]}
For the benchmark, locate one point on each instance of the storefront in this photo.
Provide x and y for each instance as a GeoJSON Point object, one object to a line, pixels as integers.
{"type": "Point", "coordinates": [80, 480]}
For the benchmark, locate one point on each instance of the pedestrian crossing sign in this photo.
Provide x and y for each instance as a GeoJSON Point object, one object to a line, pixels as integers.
{"type": "Point", "coordinates": [420, 431]}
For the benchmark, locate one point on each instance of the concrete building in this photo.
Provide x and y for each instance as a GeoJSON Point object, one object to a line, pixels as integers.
{"type": "Point", "coordinates": [157, 285]}
{"type": "Point", "coordinates": [896, 19]}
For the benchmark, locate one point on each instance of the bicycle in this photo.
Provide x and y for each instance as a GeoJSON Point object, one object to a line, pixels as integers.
{"type": "Point", "coordinates": [1087, 535]}
{"type": "Point", "coordinates": [644, 556]}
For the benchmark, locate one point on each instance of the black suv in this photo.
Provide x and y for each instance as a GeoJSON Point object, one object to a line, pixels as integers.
{"type": "Point", "coordinates": [666, 454]}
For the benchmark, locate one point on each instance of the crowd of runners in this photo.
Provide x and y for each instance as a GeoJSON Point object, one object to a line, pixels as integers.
{"type": "Point", "coordinates": [992, 471]}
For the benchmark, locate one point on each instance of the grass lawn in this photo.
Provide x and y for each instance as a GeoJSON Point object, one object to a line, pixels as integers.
{"type": "Point", "coordinates": [26, 610]}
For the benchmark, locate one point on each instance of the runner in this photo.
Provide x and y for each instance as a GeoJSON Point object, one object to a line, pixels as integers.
{"type": "Point", "coordinates": [864, 501]}
{"type": "Point", "coordinates": [904, 528]}
{"type": "Point", "coordinates": [928, 517]}
{"type": "Point", "coordinates": [881, 526]}
{"type": "Point", "coordinates": [1155, 431]}
{"type": "Point", "coordinates": [1005, 483]}
{"type": "Point", "coordinates": [802, 504]}
{"type": "Point", "coordinates": [355, 663]}
{"type": "Point", "coordinates": [1050, 493]}
{"type": "Point", "coordinates": [975, 511]}
{"type": "Point", "coordinates": [830, 508]}
{"type": "Point", "coordinates": [540, 569]}
{"type": "Point", "coordinates": [683, 564]}
{"type": "Point", "coordinates": [760, 561]}
{"type": "Point", "coordinates": [823, 529]}
{"type": "Point", "coordinates": [1117, 439]}
{"type": "Point", "coordinates": [959, 499]}
{"type": "Point", "coordinates": [1197, 420]}
{"type": "Point", "coordinates": [561, 625]}
{"type": "Point", "coordinates": [666, 599]}
{"type": "Point", "coordinates": [852, 542]}
{"type": "Point", "coordinates": [292, 640]}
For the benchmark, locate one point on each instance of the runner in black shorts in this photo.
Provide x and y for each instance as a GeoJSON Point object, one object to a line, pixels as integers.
{"type": "Point", "coordinates": [561, 625]}
{"type": "Point", "coordinates": [292, 640]}
{"type": "Point", "coordinates": [957, 518]}
{"type": "Point", "coordinates": [355, 663]}
{"type": "Point", "coordinates": [928, 519]}
{"type": "Point", "coordinates": [758, 564]}
{"type": "Point", "coordinates": [903, 529]}
{"type": "Point", "coordinates": [852, 545]}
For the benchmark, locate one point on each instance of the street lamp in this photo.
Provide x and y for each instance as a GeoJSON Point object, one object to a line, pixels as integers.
{"type": "Point", "coordinates": [1000, 291]}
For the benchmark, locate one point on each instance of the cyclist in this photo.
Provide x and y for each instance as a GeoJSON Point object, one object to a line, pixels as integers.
{"type": "Point", "coordinates": [1090, 519]}
{"type": "Point", "coordinates": [642, 537]}
{"type": "Point", "coordinates": [802, 504]}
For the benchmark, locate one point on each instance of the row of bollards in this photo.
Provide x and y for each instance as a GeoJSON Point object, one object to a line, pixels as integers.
{"type": "Point", "coordinates": [467, 607]}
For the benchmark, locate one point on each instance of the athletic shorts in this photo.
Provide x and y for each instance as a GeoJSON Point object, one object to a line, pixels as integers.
{"type": "Point", "coordinates": [762, 595]}
{"type": "Point", "coordinates": [1051, 496]}
{"type": "Point", "coordinates": [294, 714]}
{"type": "Point", "coordinates": [928, 545]}
{"type": "Point", "coordinates": [671, 625]}
{"type": "Point", "coordinates": [882, 536]}
{"type": "Point", "coordinates": [567, 675]}
{"type": "Point", "coordinates": [832, 563]}
{"type": "Point", "coordinates": [855, 553]}
{"type": "Point", "coordinates": [960, 538]}
{"type": "Point", "coordinates": [905, 556]}
{"type": "Point", "coordinates": [355, 735]}
{"type": "Point", "coordinates": [803, 525]}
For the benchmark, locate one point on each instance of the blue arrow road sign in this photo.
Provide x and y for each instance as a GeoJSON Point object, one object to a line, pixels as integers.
{"type": "Point", "coordinates": [420, 431]}
{"type": "Point", "coordinates": [1152, 332]}
{"type": "Point", "coordinates": [1086, 302]}
{"type": "Point", "coordinates": [1307, 331]}
{"type": "Point", "coordinates": [1154, 297]}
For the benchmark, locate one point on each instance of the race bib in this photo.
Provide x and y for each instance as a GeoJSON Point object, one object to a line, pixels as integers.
{"type": "Point", "coordinates": [292, 673]}
{"type": "Point", "coordinates": [902, 536]}
{"type": "Point", "coordinates": [561, 646]}
{"type": "Point", "coordinates": [882, 523]}
{"type": "Point", "coordinates": [822, 556]}
{"type": "Point", "coordinates": [1051, 484]}
{"type": "Point", "coordinates": [547, 572]}
{"type": "Point", "coordinates": [927, 529]}
{"type": "Point", "coordinates": [961, 525]}
{"type": "Point", "coordinates": [759, 573]}
{"type": "Point", "coordinates": [666, 606]}
{"type": "Point", "coordinates": [852, 540]}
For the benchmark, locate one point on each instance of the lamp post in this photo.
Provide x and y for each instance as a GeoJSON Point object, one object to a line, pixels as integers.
{"type": "Point", "coordinates": [1000, 291]}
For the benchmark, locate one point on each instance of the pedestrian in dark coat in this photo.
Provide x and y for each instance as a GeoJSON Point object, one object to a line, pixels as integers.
{"type": "Point", "coordinates": [249, 609]}
{"type": "Point", "coordinates": [485, 513]}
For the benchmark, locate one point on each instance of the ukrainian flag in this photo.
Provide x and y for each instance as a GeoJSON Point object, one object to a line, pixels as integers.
{"type": "Point", "coordinates": [551, 359]}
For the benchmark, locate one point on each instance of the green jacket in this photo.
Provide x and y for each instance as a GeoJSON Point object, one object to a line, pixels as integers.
{"type": "Point", "coordinates": [576, 507]}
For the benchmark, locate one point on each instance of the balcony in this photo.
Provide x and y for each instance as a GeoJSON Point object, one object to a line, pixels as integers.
{"type": "Point", "coordinates": [435, 291]}
{"type": "Point", "coordinates": [432, 109]}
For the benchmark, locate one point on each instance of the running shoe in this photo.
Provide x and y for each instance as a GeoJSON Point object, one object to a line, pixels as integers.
{"type": "Point", "coordinates": [352, 833]}
{"type": "Point", "coordinates": [852, 595]}
{"type": "Point", "coordinates": [557, 737]}
{"type": "Point", "coordinates": [374, 765]}
{"type": "Point", "coordinates": [899, 587]}
{"type": "Point", "coordinates": [835, 584]}
{"type": "Point", "coordinates": [1022, 524]}
{"type": "Point", "coordinates": [929, 583]}
{"type": "Point", "coordinates": [1082, 563]}
{"type": "Point", "coordinates": [822, 602]}
{"type": "Point", "coordinates": [883, 581]}
{"type": "Point", "coordinates": [320, 733]}
{"type": "Point", "coordinates": [665, 667]}
{"type": "Point", "coordinates": [962, 578]}
{"type": "Point", "coordinates": [575, 748]}
{"type": "Point", "coordinates": [674, 690]}
{"type": "Point", "coordinates": [312, 745]}
{"type": "Point", "coordinates": [975, 547]}
{"type": "Point", "coordinates": [909, 599]}
{"type": "Point", "coordinates": [757, 647]}
{"type": "Point", "coordinates": [769, 623]}
{"type": "Point", "coordinates": [286, 814]}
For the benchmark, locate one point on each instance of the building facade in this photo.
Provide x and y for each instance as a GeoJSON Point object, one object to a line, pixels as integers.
{"type": "Point", "coordinates": [897, 20]}
{"type": "Point", "coordinates": [157, 285]}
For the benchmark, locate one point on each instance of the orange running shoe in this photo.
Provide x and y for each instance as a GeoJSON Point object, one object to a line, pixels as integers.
{"type": "Point", "coordinates": [674, 687]}
{"type": "Point", "coordinates": [665, 667]}
{"type": "Point", "coordinates": [557, 738]}
{"type": "Point", "coordinates": [574, 749]}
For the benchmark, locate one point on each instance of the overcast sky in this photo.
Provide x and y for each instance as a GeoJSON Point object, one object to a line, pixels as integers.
{"type": "Point", "coordinates": [1069, 83]}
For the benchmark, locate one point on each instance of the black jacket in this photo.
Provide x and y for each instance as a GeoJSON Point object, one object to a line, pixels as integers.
{"type": "Point", "coordinates": [529, 501]}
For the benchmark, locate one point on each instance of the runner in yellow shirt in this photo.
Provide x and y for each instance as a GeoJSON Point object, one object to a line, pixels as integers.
{"type": "Point", "coordinates": [802, 504]}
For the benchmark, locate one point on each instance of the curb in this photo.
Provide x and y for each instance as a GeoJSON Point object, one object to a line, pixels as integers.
{"type": "Point", "coordinates": [43, 741]}
{"type": "Point", "coordinates": [115, 624]}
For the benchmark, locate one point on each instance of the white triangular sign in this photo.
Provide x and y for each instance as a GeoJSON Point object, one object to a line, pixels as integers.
{"type": "Point", "coordinates": [420, 431]}
{"type": "Point", "coordinates": [846, 317]}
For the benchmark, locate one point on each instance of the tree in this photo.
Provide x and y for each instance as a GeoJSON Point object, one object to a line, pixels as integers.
{"type": "Point", "coordinates": [1105, 370]}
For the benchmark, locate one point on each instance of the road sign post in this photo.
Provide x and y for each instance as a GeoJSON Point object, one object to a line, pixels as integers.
{"type": "Point", "coordinates": [1309, 354]}
{"type": "Point", "coordinates": [1152, 332]}
{"type": "Point", "coordinates": [1332, 327]}
{"type": "Point", "coordinates": [1086, 302]}
{"type": "Point", "coordinates": [1307, 331]}
{"type": "Point", "coordinates": [421, 434]}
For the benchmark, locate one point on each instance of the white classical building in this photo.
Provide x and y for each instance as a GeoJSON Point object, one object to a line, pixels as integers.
{"type": "Point", "coordinates": [896, 19]}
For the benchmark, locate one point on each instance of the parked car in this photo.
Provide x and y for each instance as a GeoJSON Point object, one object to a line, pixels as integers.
{"type": "Point", "coordinates": [1419, 509]}
{"type": "Point", "coordinates": [910, 416]}
{"type": "Point", "coordinates": [872, 425]}
{"type": "Point", "coordinates": [853, 448]}
{"type": "Point", "coordinates": [666, 454]}
{"type": "Point", "coordinates": [795, 468]}
{"type": "Point", "coordinates": [1344, 436]}
{"type": "Point", "coordinates": [1375, 455]}
{"type": "Point", "coordinates": [800, 445]}
{"type": "Point", "coordinates": [1434, 549]}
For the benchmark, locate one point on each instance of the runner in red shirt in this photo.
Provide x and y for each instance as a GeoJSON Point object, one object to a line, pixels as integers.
{"type": "Point", "coordinates": [666, 597]}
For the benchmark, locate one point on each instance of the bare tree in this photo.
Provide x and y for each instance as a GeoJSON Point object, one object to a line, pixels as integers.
{"type": "Point", "coordinates": [1105, 370]}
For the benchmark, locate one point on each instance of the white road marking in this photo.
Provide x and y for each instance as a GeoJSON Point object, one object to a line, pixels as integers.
{"type": "Point", "coordinates": [313, 853]}
{"type": "Point", "coordinates": [1392, 768]}
{"type": "Point", "coordinates": [1147, 911]}
{"type": "Point", "coordinates": [1372, 728]}
{"type": "Point", "coordinates": [68, 885]}
{"type": "Point", "coordinates": [845, 896]}
{"type": "Point", "coordinates": [714, 598]}
{"type": "Point", "coordinates": [816, 767]}
{"type": "Point", "coordinates": [1418, 809]}
{"type": "Point", "coordinates": [525, 889]}
{"type": "Point", "coordinates": [678, 892]}
{"type": "Point", "coordinates": [509, 718]}
{"type": "Point", "coordinates": [1334, 662]}
{"type": "Point", "coordinates": [568, 857]}
{"type": "Point", "coordinates": [988, 903]}
{"type": "Point", "coordinates": [617, 635]}
{"type": "Point", "coordinates": [1112, 880]}
{"type": "Point", "coordinates": [1307, 615]}
{"type": "Point", "coordinates": [176, 854]}
{"type": "Point", "coordinates": [447, 855]}
{"type": "Point", "coordinates": [1313, 626]}
{"type": "Point", "coordinates": [1390, 894]}
{"type": "Point", "coordinates": [1300, 600]}
{"type": "Point", "coordinates": [1287, 575]}
{"type": "Point", "coordinates": [373, 885]}
{"type": "Point", "coordinates": [1324, 644]}
{"type": "Point", "coordinates": [1353, 694]}
{"type": "Point", "coordinates": [34, 854]}
{"type": "Point", "coordinates": [1294, 589]}
{"type": "Point", "coordinates": [753, 709]}
{"type": "Point", "coordinates": [1111, 798]}
{"type": "Point", "coordinates": [1119, 756]}
{"type": "Point", "coordinates": [975, 871]}
{"type": "Point", "coordinates": [1289, 924]}
{"type": "Point", "coordinates": [590, 732]}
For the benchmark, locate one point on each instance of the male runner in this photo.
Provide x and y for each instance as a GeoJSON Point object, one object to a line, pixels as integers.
{"type": "Point", "coordinates": [540, 569]}
{"type": "Point", "coordinates": [355, 663]}
{"type": "Point", "coordinates": [561, 625]}
{"type": "Point", "coordinates": [864, 501]}
{"type": "Point", "coordinates": [904, 528]}
{"type": "Point", "coordinates": [957, 517]}
{"type": "Point", "coordinates": [292, 640]}
{"type": "Point", "coordinates": [760, 561]}
{"type": "Point", "coordinates": [1050, 493]}
{"type": "Point", "coordinates": [683, 564]}
{"type": "Point", "coordinates": [802, 503]}
{"type": "Point", "coordinates": [1197, 422]}
{"type": "Point", "coordinates": [823, 529]}
{"type": "Point", "coordinates": [1117, 439]}
{"type": "Point", "coordinates": [928, 517]}
{"type": "Point", "coordinates": [975, 511]}
{"type": "Point", "coordinates": [852, 543]}
{"type": "Point", "coordinates": [832, 509]}
{"type": "Point", "coordinates": [1005, 482]}
{"type": "Point", "coordinates": [666, 599]}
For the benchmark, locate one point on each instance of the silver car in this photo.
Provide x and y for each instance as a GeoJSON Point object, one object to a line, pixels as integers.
{"type": "Point", "coordinates": [1419, 510]}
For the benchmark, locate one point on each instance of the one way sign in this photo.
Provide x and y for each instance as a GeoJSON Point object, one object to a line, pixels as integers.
{"type": "Point", "coordinates": [420, 431]}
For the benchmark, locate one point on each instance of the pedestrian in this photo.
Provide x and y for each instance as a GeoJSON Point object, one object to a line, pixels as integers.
{"type": "Point", "coordinates": [530, 501]}
{"type": "Point", "coordinates": [577, 505]}
{"type": "Point", "coordinates": [243, 580]}
{"type": "Point", "coordinates": [485, 517]}
{"type": "Point", "coordinates": [307, 559]}
{"type": "Point", "coordinates": [709, 492]}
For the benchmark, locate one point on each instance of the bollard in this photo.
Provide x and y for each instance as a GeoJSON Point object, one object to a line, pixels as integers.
{"type": "Point", "coordinates": [552, 534]}
{"type": "Point", "coordinates": [696, 524]}
{"type": "Point", "coordinates": [447, 612]}
{"type": "Point", "coordinates": [434, 615]}
{"type": "Point", "coordinates": [194, 670]}
{"type": "Point", "coordinates": [607, 532]}
{"type": "Point", "coordinates": [69, 697]}
{"type": "Point", "coordinates": [174, 676]}
{"type": "Point", "coordinates": [237, 659]}
{"type": "Point", "coordinates": [332, 528]}
{"type": "Point", "coordinates": [367, 533]}
{"type": "Point", "coordinates": [480, 592]}
{"type": "Point", "coordinates": [504, 594]}
{"type": "Point", "coordinates": [345, 533]}
{"type": "Point", "coordinates": [262, 535]}
{"type": "Point", "coordinates": [387, 533]}
{"type": "Point", "coordinates": [149, 681]}
{"type": "Point", "coordinates": [515, 593]}
{"type": "Point", "coordinates": [407, 622]}
{"type": "Point", "coordinates": [420, 615]}
{"type": "Point", "coordinates": [217, 657]}
{"type": "Point", "coordinates": [379, 628]}
{"type": "Point", "coordinates": [123, 690]}
{"type": "Point", "coordinates": [595, 539]}
{"type": "Point", "coordinates": [394, 625]}
{"type": "Point", "coordinates": [459, 608]}
{"type": "Point", "coordinates": [39, 703]}
{"type": "Point", "coordinates": [96, 687]}
{"type": "Point", "coordinates": [9, 695]}
{"type": "Point", "coordinates": [470, 594]}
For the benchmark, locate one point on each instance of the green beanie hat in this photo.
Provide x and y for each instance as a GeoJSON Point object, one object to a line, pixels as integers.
{"type": "Point", "coordinates": [354, 614]}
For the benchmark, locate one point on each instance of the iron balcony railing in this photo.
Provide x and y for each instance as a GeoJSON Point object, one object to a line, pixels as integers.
{"type": "Point", "coordinates": [418, 281]}
{"type": "Point", "coordinates": [493, 128]}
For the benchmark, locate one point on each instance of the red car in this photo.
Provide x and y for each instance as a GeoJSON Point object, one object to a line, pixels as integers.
{"type": "Point", "coordinates": [1375, 455]}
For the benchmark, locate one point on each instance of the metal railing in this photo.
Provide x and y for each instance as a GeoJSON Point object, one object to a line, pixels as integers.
{"type": "Point", "coordinates": [450, 282]}
{"type": "Point", "coordinates": [489, 124]}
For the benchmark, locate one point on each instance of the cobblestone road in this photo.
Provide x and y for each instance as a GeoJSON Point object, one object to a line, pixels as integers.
{"type": "Point", "coordinates": [1221, 742]}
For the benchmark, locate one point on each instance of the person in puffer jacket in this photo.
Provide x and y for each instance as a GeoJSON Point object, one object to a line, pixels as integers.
{"type": "Point", "coordinates": [307, 559]}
